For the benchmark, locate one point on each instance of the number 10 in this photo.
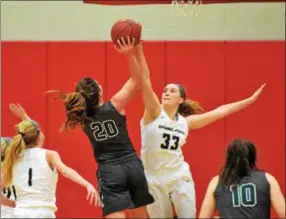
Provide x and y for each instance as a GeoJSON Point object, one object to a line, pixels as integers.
{"type": "Point", "coordinates": [244, 195]}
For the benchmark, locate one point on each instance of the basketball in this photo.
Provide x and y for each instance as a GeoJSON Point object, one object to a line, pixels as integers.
{"type": "Point", "coordinates": [125, 28]}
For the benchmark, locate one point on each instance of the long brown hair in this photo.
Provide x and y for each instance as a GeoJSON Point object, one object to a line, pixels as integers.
{"type": "Point", "coordinates": [188, 107]}
{"type": "Point", "coordinates": [81, 104]}
{"type": "Point", "coordinates": [27, 134]}
{"type": "Point", "coordinates": [240, 160]}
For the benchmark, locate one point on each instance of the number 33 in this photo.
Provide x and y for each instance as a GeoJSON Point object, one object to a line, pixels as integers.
{"type": "Point", "coordinates": [166, 144]}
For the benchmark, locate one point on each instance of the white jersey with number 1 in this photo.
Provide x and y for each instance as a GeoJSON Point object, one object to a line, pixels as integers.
{"type": "Point", "coordinates": [35, 183]}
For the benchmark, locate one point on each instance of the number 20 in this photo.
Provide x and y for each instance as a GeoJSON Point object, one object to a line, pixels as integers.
{"type": "Point", "coordinates": [104, 130]}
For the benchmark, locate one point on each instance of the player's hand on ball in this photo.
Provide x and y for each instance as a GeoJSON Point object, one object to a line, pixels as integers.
{"type": "Point", "coordinates": [92, 195]}
{"type": "Point", "coordinates": [125, 47]}
{"type": "Point", "coordinates": [257, 93]}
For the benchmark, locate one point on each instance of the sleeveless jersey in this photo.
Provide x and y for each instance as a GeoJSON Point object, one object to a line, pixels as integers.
{"type": "Point", "coordinates": [34, 180]}
{"type": "Point", "coordinates": [108, 134]}
{"type": "Point", "coordinates": [162, 142]}
{"type": "Point", "coordinates": [250, 198]}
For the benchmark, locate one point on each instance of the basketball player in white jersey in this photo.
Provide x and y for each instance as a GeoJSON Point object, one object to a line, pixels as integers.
{"type": "Point", "coordinates": [8, 193]}
{"type": "Point", "coordinates": [164, 130]}
{"type": "Point", "coordinates": [33, 171]}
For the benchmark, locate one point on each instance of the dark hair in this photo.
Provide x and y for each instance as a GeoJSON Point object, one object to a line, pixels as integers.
{"type": "Point", "coordinates": [188, 107]}
{"type": "Point", "coordinates": [5, 141]}
{"type": "Point", "coordinates": [240, 161]}
{"type": "Point", "coordinates": [81, 104]}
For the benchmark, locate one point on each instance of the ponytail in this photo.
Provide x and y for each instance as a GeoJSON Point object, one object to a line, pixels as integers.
{"type": "Point", "coordinates": [80, 105]}
{"type": "Point", "coordinates": [13, 154]}
{"type": "Point", "coordinates": [189, 107]}
{"type": "Point", "coordinates": [75, 105]}
{"type": "Point", "coordinates": [4, 145]}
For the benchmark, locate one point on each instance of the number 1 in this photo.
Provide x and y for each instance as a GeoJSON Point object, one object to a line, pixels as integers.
{"type": "Point", "coordinates": [30, 177]}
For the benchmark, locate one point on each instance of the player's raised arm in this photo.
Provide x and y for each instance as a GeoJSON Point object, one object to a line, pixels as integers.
{"type": "Point", "coordinates": [150, 100]}
{"type": "Point", "coordinates": [130, 88]}
{"type": "Point", "coordinates": [19, 111]}
{"type": "Point", "coordinates": [199, 121]}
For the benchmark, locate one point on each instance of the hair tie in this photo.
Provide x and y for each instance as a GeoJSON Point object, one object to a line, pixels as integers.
{"type": "Point", "coordinates": [21, 133]}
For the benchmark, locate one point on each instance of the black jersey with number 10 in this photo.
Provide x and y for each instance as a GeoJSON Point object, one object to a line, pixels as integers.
{"type": "Point", "coordinates": [250, 198]}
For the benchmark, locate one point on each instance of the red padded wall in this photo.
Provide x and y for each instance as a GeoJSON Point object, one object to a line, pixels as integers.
{"type": "Point", "coordinates": [24, 72]}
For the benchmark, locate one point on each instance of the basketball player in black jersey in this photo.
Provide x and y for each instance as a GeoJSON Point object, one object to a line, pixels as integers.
{"type": "Point", "coordinates": [120, 174]}
{"type": "Point", "coordinates": [241, 190]}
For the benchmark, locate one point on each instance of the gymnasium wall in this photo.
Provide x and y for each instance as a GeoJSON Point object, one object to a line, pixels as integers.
{"type": "Point", "coordinates": [220, 53]}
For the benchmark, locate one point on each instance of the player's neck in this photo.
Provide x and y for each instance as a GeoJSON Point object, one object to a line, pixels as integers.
{"type": "Point", "coordinates": [33, 146]}
{"type": "Point", "coordinates": [171, 112]}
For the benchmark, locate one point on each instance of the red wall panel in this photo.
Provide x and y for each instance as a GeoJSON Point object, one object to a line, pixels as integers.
{"type": "Point", "coordinates": [68, 63]}
{"type": "Point", "coordinates": [118, 73]}
{"type": "Point", "coordinates": [24, 71]}
{"type": "Point", "coordinates": [249, 65]}
{"type": "Point", "coordinates": [199, 67]}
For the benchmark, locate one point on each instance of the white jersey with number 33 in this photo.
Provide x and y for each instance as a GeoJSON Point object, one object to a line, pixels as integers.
{"type": "Point", "coordinates": [162, 142]}
{"type": "Point", "coordinates": [34, 181]}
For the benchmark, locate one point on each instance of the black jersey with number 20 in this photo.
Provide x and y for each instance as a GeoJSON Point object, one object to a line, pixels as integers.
{"type": "Point", "coordinates": [108, 134]}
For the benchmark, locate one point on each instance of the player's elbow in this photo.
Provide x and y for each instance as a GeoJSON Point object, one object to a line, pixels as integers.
{"type": "Point", "coordinates": [280, 208]}
{"type": "Point", "coordinates": [221, 112]}
{"type": "Point", "coordinates": [65, 171]}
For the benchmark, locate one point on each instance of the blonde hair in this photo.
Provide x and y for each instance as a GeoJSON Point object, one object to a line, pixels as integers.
{"type": "Point", "coordinates": [27, 134]}
{"type": "Point", "coordinates": [4, 145]}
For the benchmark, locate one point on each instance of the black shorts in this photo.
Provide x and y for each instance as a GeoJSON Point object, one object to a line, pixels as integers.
{"type": "Point", "coordinates": [123, 186]}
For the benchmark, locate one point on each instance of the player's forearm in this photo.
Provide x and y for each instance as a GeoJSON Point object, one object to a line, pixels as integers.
{"type": "Point", "coordinates": [75, 177]}
{"type": "Point", "coordinates": [134, 67]}
{"type": "Point", "coordinates": [142, 61]}
{"type": "Point", "coordinates": [234, 107]}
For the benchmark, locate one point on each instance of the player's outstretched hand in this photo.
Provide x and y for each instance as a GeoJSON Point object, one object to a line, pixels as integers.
{"type": "Point", "coordinates": [125, 47]}
{"type": "Point", "coordinates": [18, 111]}
{"type": "Point", "coordinates": [257, 93]}
{"type": "Point", "coordinates": [92, 195]}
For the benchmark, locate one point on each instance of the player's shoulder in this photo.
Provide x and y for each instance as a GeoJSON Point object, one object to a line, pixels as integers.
{"type": "Point", "coordinates": [214, 182]}
{"type": "Point", "coordinates": [50, 153]}
{"type": "Point", "coordinates": [109, 107]}
{"type": "Point", "coordinates": [215, 179]}
{"type": "Point", "coordinates": [270, 178]}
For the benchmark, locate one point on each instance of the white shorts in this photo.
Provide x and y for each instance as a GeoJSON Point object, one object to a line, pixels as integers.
{"type": "Point", "coordinates": [6, 212]}
{"type": "Point", "coordinates": [33, 213]}
{"type": "Point", "coordinates": [168, 189]}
